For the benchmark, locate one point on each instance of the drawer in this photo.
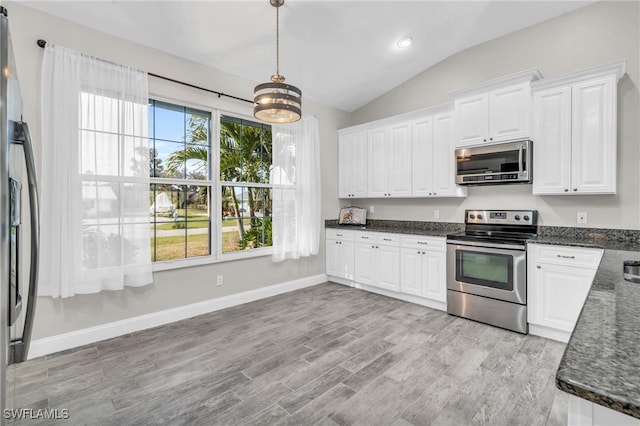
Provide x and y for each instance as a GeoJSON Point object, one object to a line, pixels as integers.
{"type": "Point", "coordinates": [428, 243]}
{"type": "Point", "coordinates": [339, 234]}
{"type": "Point", "coordinates": [378, 238]}
{"type": "Point", "coordinates": [563, 255]}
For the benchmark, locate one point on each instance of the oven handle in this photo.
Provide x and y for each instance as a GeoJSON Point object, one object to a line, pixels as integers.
{"type": "Point", "coordinates": [487, 245]}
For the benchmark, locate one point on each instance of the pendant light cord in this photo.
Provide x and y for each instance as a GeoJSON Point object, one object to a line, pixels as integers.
{"type": "Point", "coordinates": [278, 40]}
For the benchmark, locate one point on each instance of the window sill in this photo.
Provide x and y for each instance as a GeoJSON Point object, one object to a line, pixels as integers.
{"type": "Point", "coordinates": [168, 265]}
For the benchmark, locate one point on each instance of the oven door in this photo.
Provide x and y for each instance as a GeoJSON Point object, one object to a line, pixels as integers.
{"type": "Point", "coordinates": [498, 273]}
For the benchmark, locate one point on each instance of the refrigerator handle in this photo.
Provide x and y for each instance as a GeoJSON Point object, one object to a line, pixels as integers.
{"type": "Point", "coordinates": [22, 135]}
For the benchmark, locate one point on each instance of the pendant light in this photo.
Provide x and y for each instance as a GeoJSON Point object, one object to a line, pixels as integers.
{"type": "Point", "coordinates": [277, 102]}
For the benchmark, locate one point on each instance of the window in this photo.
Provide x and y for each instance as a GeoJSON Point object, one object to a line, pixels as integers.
{"type": "Point", "coordinates": [183, 187]}
{"type": "Point", "coordinates": [180, 150]}
{"type": "Point", "coordinates": [245, 188]}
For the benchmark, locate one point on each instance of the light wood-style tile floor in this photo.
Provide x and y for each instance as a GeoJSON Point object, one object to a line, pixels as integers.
{"type": "Point", "coordinates": [325, 355]}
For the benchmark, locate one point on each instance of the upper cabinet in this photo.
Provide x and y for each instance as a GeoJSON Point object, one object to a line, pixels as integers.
{"type": "Point", "coordinates": [390, 161]}
{"type": "Point", "coordinates": [404, 156]}
{"type": "Point", "coordinates": [574, 132]}
{"type": "Point", "coordinates": [433, 158]}
{"type": "Point", "coordinates": [352, 165]}
{"type": "Point", "coordinates": [496, 111]}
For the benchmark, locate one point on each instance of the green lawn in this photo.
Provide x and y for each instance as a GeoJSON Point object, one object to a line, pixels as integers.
{"type": "Point", "coordinates": [169, 248]}
{"type": "Point", "coordinates": [234, 222]}
{"type": "Point", "coordinates": [180, 225]}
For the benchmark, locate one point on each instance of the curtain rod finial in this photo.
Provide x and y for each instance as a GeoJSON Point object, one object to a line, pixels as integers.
{"type": "Point", "coordinates": [41, 43]}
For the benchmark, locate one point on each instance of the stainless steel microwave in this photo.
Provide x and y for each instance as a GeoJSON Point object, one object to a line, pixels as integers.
{"type": "Point", "coordinates": [494, 164]}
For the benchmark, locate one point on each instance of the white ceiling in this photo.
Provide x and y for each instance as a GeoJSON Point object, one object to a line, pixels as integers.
{"type": "Point", "coordinates": [339, 53]}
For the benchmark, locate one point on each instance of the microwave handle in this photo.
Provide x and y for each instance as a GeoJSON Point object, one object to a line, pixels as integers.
{"type": "Point", "coordinates": [520, 167]}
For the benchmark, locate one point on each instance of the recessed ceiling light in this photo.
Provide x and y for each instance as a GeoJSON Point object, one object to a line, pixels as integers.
{"type": "Point", "coordinates": [405, 42]}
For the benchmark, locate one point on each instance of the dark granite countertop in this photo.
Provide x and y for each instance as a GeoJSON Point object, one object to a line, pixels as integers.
{"type": "Point", "coordinates": [429, 229]}
{"type": "Point", "coordinates": [601, 362]}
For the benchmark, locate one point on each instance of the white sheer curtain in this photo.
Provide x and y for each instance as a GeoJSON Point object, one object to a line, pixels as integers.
{"type": "Point", "coordinates": [95, 232]}
{"type": "Point", "coordinates": [296, 189]}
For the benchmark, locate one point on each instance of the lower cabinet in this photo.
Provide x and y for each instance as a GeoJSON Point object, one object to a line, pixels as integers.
{"type": "Point", "coordinates": [340, 254]}
{"type": "Point", "coordinates": [423, 268]}
{"type": "Point", "coordinates": [377, 260]}
{"type": "Point", "coordinates": [558, 282]}
{"type": "Point", "coordinates": [408, 267]}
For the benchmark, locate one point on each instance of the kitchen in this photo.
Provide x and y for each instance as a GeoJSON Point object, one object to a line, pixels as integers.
{"type": "Point", "coordinates": [599, 34]}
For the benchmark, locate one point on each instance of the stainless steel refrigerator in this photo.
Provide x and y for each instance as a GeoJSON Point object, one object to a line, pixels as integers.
{"type": "Point", "coordinates": [19, 226]}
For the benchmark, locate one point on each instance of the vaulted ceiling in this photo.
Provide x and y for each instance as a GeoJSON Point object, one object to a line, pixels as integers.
{"type": "Point", "coordinates": [340, 53]}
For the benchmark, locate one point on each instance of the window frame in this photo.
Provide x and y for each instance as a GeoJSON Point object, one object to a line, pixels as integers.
{"type": "Point", "coordinates": [215, 194]}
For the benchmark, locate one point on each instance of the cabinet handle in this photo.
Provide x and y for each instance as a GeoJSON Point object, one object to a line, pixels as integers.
{"type": "Point", "coordinates": [566, 190]}
{"type": "Point", "coordinates": [387, 239]}
{"type": "Point", "coordinates": [377, 247]}
{"type": "Point", "coordinates": [434, 193]}
{"type": "Point", "coordinates": [539, 267]}
{"type": "Point", "coordinates": [565, 257]}
{"type": "Point", "coordinates": [423, 243]}
{"type": "Point", "coordinates": [373, 246]}
{"type": "Point", "coordinates": [339, 235]}
{"type": "Point", "coordinates": [484, 140]}
{"type": "Point", "coordinates": [575, 189]}
{"type": "Point", "coordinates": [424, 252]}
{"type": "Point", "coordinates": [490, 139]}
{"type": "Point", "coordinates": [418, 251]}
{"type": "Point", "coordinates": [339, 242]}
{"type": "Point", "coordinates": [365, 238]}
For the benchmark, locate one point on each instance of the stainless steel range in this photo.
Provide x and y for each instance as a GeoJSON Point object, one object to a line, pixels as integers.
{"type": "Point", "coordinates": [487, 267]}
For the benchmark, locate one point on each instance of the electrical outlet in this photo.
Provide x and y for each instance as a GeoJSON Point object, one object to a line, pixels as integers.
{"type": "Point", "coordinates": [219, 281]}
{"type": "Point", "coordinates": [582, 218]}
{"type": "Point", "coordinates": [371, 209]}
{"type": "Point", "coordinates": [436, 214]}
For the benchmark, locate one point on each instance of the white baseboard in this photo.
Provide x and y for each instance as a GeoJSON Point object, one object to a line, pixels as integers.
{"type": "Point", "coordinates": [435, 304]}
{"type": "Point", "coordinates": [61, 342]}
{"type": "Point", "coordinates": [549, 333]}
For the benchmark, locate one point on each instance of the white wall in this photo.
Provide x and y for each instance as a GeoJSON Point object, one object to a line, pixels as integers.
{"type": "Point", "coordinates": [177, 287]}
{"type": "Point", "coordinates": [598, 34]}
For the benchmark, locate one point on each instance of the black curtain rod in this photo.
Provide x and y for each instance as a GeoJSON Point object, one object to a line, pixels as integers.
{"type": "Point", "coordinates": [42, 43]}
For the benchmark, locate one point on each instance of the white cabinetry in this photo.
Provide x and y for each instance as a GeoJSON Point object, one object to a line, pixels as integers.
{"type": "Point", "coordinates": [340, 253]}
{"type": "Point", "coordinates": [574, 133]}
{"type": "Point", "coordinates": [558, 281]}
{"type": "Point", "coordinates": [496, 111]}
{"type": "Point", "coordinates": [352, 165]}
{"type": "Point", "coordinates": [432, 156]}
{"type": "Point", "coordinates": [587, 413]}
{"type": "Point", "coordinates": [390, 161]}
{"type": "Point", "coordinates": [423, 269]}
{"type": "Point", "coordinates": [377, 260]}
{"type": "Point", "coordinates": [411, 155]}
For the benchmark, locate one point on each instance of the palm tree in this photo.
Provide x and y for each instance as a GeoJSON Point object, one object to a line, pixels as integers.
{"type": "Point", "coordinates": [245, 155]}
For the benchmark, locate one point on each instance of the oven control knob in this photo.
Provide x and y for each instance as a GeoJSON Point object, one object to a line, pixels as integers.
{"type": "Point", "coordinates": [526, 218]}
{"type": "Point", "coordinates": [479, 216]}
{"type": "Point", "coordinates": [472, 216]}
{"type": "Point", "coordinates": [516, 217]}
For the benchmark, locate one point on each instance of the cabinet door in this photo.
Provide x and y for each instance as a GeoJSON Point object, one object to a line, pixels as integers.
{"type": "Point", "coordinates": [594, 136]}
{"type": "Point", "coordinates": [411, 277]}
{"type": "Point", "coordinates": [346, 162]}
{"type": "Point", "coordinates": [377, 173]}
{"type": "Point", "coordinates": [359, 161]}
{"type": "Point", "coordinates": [398, 164]}
{"type": "Point", "coordinates": [444, 161]}
{"type": "Point", "coordinates": [332, 266]}
{"type": "Point", "coordinates": [346, 260]}
{"type": "Point", "coordinates": [509, 110]}
{"type": "Point", "coordinates": [472, 115]}
{"type": "Point", "coordinates": [422, 157]}
{"type": "Point", "coordinates": [365, 263]}
{"type": "Point", "coordinates": [387, 268]}
{"type": "Point", "coordinates": [552, 141]}
{"type": "Point", "coordinates": [435, 276]}
{"type": "Point", "coordinates": [557, 294]}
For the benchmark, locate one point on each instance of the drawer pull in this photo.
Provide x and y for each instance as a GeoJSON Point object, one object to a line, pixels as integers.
{"type": "Point", "coordinates": [365, 238]}
{"type": "Point", "coordinates": [539, 267]}
{"type": "Point", "coordinates": [565, 257]}
{"type": "Point", "coordinates": [387, 239]}
{"type": "Point", "coordinates": [422, 242]}
{"type": "Point", "coordinates": [339, 235]}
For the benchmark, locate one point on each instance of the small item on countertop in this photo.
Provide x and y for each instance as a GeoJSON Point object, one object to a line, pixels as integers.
{"type": "Point", "coordinates": [352, 215]}
{"type": "Point", "coordinates": [632, 271]}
